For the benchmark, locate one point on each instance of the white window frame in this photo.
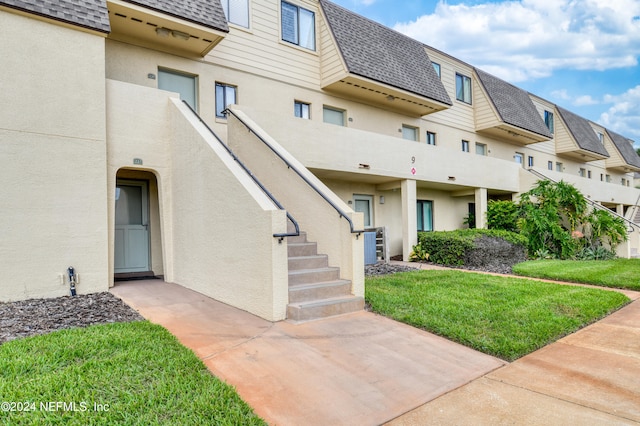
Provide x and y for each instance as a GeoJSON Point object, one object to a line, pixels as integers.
{"type": "Point", "coordinates": [559, 167]}
{"type": "Point", "coordinates": [410, 133]}
{"type": "Point", "coordinates": [520, 156]}
{"type": "Point", "coordinates": [302, 109]}
{"type": "Point", "coordinates": [463, 88]}
{"type": "Point", "coordinates": [238, 14]}
{"type": "Point", "coordinates": [465, 145]}
{"type": "Point", "coordinates": [548, 120]}
{"type": "Point", "coordinates": [481, 149]}
{"type": "Point", "coordinates": [223, 92]}
{"type": "Point", "coordinates": [431, 138]}
{"type": "Point", "coordinates": [326, 108]}
{"type": "Point", "coordinates": [437, 68]}
{"type": "Point", "coordinates": [299, 13]}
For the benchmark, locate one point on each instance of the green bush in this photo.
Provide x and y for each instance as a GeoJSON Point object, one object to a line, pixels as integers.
{"type": "Point", "coordinates": [453, 247]}
{"type": "Point", "coordinates": [502, 215]}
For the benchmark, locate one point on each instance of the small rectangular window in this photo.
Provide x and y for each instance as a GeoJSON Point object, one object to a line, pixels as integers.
{"type": "Point", "coordinates": [601, 177]}
{"type": "Point", "coordinates": [582, 172]}
{"type": "Point", "coordinates": [465, 146]}
{"type": "Point", "coordinates": [548, 120]}
{"type": "Point", "coordinates": [431, 138]}
{"type": "Point", "coordinates": [425, 215]}
{"type": "Point", "coordinates": [237, 11]}
{"type": "Point", "coordinates": [601, 138]}
{"type": "Point", "coordinates": [409, 133]}
{"type": "Point", "coordinates": [519, 157]}
{"type": "Point", "coordinates": [608, 178]}
{"type": "Point", "coordinates": [550, 165]}
{"type": "Point", "coordinates": [481, 148]}
{"type": "Point", "coordinates": [589, 174]}
{"type": "Point", "coordinates": [302, 109]}
{"type": "Point", "coordinates": [530, 161]}
{"type": "Point", "coordinates": [559, 167]}
{"type": "Point", "coordinates": [225, 95]}
{"type": "Point", "coordinates": [298, 25]}
{"type": "Point", "coordinates": [463, 88]}
{"type": "Point", "coordinates": [436, 67]}
{"type": "Point", "coordinates": [333, 116]}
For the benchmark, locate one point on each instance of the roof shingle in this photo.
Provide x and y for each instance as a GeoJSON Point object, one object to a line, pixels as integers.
{"type": "Point", "coordinates": [90, 14]}
{"type": "Point", "coordinates": [204, 12]}
{"type": "Point", "coordinates": [379, 53]}
{"type": "Point", "coordinates": [582, 132]}
{"type": "Point", "coordinates": [513, 104]}
{"type": "Point", "coordinates": [625, 148]}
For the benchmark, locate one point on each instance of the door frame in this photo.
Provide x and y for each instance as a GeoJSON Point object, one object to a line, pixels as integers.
{"type": "Point", "coordinates": [144, 185]}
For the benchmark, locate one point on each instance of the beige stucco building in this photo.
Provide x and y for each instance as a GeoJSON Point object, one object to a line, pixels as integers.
{"type": "Point", "coordinates": [336, 124]}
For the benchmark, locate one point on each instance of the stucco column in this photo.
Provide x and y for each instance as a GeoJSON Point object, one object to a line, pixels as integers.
{"type": "Point", "coordinates": [481, 208]}
{"type": "Point", "coordinates": [620, 209]}
{"type": "Point", "coordinates": [409, 217]}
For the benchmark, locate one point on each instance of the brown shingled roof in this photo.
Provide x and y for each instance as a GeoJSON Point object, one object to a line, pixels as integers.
{"type": "Point", "coordinates": [625, 147]}
{"type": "Point", "coordinates": [582, 132]}
{"type": "Point", "coordinates": [90, 14]}
{"type": "Point", "coordinates": [381, 54]}
{"type": "Point", "coordinates": [204, 12]}
{"type": "Point", "coordinates": [513, 104]}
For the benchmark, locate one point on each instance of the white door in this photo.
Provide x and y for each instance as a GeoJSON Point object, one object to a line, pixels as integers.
{"type": "Point", "coordinates": [132, 227]}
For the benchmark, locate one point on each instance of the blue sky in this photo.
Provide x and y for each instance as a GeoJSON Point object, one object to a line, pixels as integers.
{"type": "Point", "coordinates": [580, 54]}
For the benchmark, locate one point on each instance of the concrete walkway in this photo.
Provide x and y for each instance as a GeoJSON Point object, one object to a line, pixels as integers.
{"type": "Point", "coordinates": [364, 369]}
{"type": "Point", "coordinates": [356, 369]}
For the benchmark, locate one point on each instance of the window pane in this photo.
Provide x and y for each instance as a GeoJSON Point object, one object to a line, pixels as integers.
{"type": "Point", "coordinates": [425, 215]}
{"type": "Point", "coordinates": [219, 100]}
{"type": "Point", "coordinates": [467, 90]}
{"type": "Point", "coordinates": [238, 12]}
{"type": "Point", "coordinates": [459, 88]}
{"type": "Point", "coordinates": [481, 149]}
{"type": "Point", "coordinates": [230, 96]}
{"type": "Point", "coordinates": [333, 116]}
{"type": "Point", "coordinates": [289, 23]}
{"type": "Point", "coordinates": [301, 109]}
{"type": "Point", "coordinates": [364, 206]}
{"type": "Point", "coordinates": [307, 29]}
{"type": "Point", "coordinates": [409, 133]}
{"type": "Point", "coordinates": [180, 83]}
{"type": "Point", "coordinates": [436, 67]}
{"type": "Point", "coordinates": [129, 205]}
{"type": "Point", "coordinates": [431, 138]}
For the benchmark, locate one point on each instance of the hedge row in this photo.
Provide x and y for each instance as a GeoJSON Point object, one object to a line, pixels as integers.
{"type": "Point", "coordinates": [454, 248]}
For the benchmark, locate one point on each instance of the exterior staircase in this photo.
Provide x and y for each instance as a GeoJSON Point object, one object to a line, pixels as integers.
{"type": "Point", "coordinates": [315, 288]}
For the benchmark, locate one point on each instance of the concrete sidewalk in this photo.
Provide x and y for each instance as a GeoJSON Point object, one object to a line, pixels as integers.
{"type": "Point", "coordinates": [356, 369]}
{"type": "Point", "coordinates": [364, 369]}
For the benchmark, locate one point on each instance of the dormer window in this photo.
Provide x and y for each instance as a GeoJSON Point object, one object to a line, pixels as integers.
{"type": "Point", "coordinates": [298, 25]}
{"type": "Point", "coordinates": [548, 120]}
{"type": "Point", "coordinates": [237, 11]}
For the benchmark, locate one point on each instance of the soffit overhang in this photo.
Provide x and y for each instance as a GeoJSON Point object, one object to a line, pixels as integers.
{"type": "Point", "coordinates": [152, 29]}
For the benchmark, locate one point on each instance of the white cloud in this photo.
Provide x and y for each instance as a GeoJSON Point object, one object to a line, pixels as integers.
{"type": "Point", "coordinates": [584, 101]}
{"type": "Point", "coordinates": [624, 114]}
{"type": "Point", "coordinates": [529, 39]}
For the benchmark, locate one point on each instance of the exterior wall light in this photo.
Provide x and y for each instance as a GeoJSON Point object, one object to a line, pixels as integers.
{"type": "Point", "coordinates": [163, 32]}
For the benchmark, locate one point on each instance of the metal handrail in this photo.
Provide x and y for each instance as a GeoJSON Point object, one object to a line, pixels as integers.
{"type": "Point", "coordinates": [341, 212]}
{"type": "Point", "coordinates": [280, 236]}
{"type": "Point", "coordinates": [591, 202]}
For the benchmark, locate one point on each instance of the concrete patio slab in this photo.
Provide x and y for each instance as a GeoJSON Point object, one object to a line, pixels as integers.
{"type": "Point", "coordinates": [359, 368]}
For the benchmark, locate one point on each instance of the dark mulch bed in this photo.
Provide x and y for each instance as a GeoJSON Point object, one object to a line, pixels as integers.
{"type": "Point", "coordinates": [40, 316]}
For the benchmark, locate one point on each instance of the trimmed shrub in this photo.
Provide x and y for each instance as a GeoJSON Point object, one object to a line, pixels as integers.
{"type": "Point", "coordinates": [473, 247]}
{"type": "Point", "coordinates": [502, 215]}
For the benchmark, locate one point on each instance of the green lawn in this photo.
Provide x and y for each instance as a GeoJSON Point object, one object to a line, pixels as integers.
{"type": "Point", "coordinates": [617, 273]}
{"type": "Point", "coordinates": [502, 316]}
{"type": "Point", "coordinates": [125, 373]}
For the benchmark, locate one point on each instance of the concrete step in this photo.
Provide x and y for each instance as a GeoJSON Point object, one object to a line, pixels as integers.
{"type": "Point", "coordinates": [306, 311]}
{"type": "Point", "coordinates": [309, 262]}
{"type": "Point", "coordinates": [302, 249]}
{"type": "Point", "coordinates": [302, 238]}
{"type": "Point", "coordinates": [317, 291]}
{"type": "Point", "coordinates": [308, 276]}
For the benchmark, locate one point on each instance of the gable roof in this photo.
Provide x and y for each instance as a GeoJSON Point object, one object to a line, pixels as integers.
{"type": "Point", "coordinates": [514, 105]}
{"type": "Point", "coordinates": [208, 13]}
{"type": "Point", "coordinates": [379, 53]}
{"type": "Point", "coordinates": [93, 14]}
{"type": "Point", "coordinates": [582, 132]}
{"type": "Point", "coordinates": [625, 147]}
{"type": "Point", "coordinates": [90, 14]}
